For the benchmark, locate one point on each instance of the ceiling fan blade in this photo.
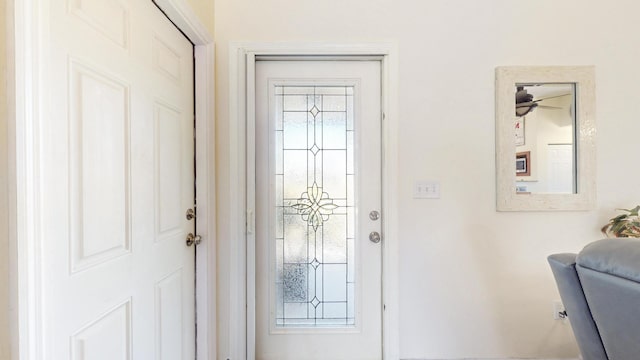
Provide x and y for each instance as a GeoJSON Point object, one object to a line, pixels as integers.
{"type": "Point", "coordinates": [552, 97]}
{"type": "Point", "coordinates": [549, 107]}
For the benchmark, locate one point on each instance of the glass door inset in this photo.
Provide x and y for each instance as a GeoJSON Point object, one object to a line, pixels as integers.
{"type": "Point", "coordinates": [314, 203]}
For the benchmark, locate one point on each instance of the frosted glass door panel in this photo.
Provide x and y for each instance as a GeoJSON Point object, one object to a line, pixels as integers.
{"type": "Point", "coordinates": [314, 202]}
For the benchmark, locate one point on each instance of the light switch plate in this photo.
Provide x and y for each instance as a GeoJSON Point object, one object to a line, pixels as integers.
{"type": "Point", "coordinates": [423, 189]}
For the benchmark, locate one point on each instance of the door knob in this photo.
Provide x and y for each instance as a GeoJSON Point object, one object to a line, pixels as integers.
{"type": "Point", "coordinates": [374, 237]}
{"type": "Point", "coordinates": [193, 239]}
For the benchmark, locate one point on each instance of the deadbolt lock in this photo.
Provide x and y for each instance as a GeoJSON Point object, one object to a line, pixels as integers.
{"type": "Point", "coordinates": [190, 214]}
{"type": "Point", "coordinates": [193, 239]}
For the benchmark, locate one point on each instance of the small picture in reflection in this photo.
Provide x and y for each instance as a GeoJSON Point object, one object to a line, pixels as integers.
{"type": "Point", "coordinates": [523, 164]}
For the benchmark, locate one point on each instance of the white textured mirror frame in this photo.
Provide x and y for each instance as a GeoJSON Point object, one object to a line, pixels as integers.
{"type": "Point", "coordinates": [584, 79]}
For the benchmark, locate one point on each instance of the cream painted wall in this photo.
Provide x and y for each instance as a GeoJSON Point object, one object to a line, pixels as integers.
{"type": "Point", "coordinates": [205, 10]}
{"type": "Point", "coordinates": [474, 283]}
{"type": "Point", "coordinates": [4, 233]}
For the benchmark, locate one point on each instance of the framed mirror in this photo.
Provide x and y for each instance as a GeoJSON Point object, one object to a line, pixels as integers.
{"type": "Point", "coordinates": [545, 138]}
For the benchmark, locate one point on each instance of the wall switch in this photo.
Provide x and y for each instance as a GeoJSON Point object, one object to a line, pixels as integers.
{"type": "Point", "coordinates": [423, 189]}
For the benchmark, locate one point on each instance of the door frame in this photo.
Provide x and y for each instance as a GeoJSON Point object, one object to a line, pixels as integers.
{"type": "Point", "coordinates": [27, 41]}
{"type": "Point", "coordinates": [241, 252]}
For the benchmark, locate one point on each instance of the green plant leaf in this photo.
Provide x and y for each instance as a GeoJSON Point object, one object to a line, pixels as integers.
{"type": "Point", "coordinates": [624, 225]}
{"type": "Point", "coordinates": [619, 217]}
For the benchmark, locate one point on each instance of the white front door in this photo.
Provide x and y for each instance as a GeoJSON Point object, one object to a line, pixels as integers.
{"type": "Point", "coordinates": [318, 204]}
{"type": "Point", "coordinates": [117, 168]}
{"type": "Point", "coordinates": [560, 169]}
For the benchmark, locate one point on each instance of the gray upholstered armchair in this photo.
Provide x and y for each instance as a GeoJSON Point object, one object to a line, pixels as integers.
{"type": "Point", "coordinates": [600, 289]}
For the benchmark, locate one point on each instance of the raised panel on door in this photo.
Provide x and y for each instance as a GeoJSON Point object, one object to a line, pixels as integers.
{"type": "Point", "coordinates": [106, 338]}
{"type": "Point", "coordinates": [169, 322]}
{"type": "Point", "coordinates": [99, 162]}
{"type": "Point", "coordinates": [168, 177]}
{"type": "Point", "coordinates": [110, 18]}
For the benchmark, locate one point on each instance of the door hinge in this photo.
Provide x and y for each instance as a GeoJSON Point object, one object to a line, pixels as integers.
{"type": "Point", "coordinates": [250, 222]}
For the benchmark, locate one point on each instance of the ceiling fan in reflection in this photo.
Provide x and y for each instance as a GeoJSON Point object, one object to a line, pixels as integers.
{"type": "Point", "coordinates": [525, 102]}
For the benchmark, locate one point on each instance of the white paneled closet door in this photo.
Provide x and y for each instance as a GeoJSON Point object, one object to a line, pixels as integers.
{"type": "Point", "coordinates": [117, 172]}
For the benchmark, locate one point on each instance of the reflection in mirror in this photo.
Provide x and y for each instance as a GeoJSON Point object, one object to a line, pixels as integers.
{"type": "Point", "coordinates": [545, 138]}
{"type": "Point", "coordinates": [545, 130]}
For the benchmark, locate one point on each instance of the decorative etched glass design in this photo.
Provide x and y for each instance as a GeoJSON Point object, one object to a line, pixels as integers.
{"type": "Point", "coordinates": [314, 204]}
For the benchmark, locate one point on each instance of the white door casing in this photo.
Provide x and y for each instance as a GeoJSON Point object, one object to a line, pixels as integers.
{"type": "Point", "coordinates": [240, 266]}
{"type": "Point", "coordinates": [335, 141]}
{"type": "Point", "coordinates": [185, 18]}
